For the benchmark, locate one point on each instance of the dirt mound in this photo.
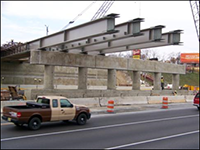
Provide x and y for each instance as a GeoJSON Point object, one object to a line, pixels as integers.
{"type": "Point", "coordinates": [123, 78]}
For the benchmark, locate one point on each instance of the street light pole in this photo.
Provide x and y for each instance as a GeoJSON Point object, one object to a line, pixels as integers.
{"type": "Point", "coordinates": [47, 30]}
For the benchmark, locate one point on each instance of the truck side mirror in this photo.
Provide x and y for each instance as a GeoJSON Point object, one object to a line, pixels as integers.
{"type": "Point", "coordinates": [71, 105]}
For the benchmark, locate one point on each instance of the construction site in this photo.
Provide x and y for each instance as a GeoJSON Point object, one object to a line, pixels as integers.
{"type": "Point", "coordinates": [76, 62]}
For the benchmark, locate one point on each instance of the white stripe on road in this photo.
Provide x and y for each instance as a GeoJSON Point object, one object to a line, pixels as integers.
{"type": "Point", "coordinates": [96, 128]}
{"type": "Point", "coordinates": [153, 140]}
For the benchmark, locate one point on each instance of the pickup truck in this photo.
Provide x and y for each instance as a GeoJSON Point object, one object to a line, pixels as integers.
{"type": "Point", "coordinates": [196, 101]}
{"type": "Point", "coordinates": [45, 109]}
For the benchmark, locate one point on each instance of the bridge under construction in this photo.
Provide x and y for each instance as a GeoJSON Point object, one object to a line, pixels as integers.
{"type": "Point", "coordinates": [87, 45]}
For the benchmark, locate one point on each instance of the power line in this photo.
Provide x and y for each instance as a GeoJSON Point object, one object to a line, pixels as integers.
{"type": "Point", "coordinates": [72, 21]}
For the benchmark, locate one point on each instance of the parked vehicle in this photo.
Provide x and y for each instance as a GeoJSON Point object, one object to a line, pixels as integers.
{"type": "Point", "coordinates": [196, 101]}
{"type": "Point", "coordinates": [45, 109]}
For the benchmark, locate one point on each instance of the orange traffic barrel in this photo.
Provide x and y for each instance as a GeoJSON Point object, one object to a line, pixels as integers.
{"type": "Point", "coordinates": [165, 103]}
{"type": "Point", "coordinates": [110, 106]}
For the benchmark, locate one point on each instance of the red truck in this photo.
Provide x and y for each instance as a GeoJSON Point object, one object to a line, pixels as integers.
{"type": "Point", "coordinates": [45, 109]}
{"type": "Point", "coordinates": [196, 101]}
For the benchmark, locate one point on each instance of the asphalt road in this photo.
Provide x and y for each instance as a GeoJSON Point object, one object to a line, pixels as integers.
{"type": "Point", "coordinates": [164, 128]}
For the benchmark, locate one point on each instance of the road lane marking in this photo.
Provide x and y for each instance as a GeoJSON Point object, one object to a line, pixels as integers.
{"type": "Point", "coordinates": [2, 124]}
{"type": "Point", "coordinates": [96, 128]}
{"type": "Point", "coordinates": [153, 140]}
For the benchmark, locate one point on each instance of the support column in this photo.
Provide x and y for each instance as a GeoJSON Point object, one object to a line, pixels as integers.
{"type": "Point", "coordinates": [175, 81]}
{"type": "Point", "coordinates": [136, 80]}
{"type": "Point", "coordinates": [157, 81]}
{"type": "Point", "coordinates": [48, 77]}
{"type": "Point", "coordinates": [82, 78]}
{"type": "Point", "coordinates": [111, 83]}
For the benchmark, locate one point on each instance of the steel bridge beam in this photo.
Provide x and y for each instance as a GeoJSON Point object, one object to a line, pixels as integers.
{"type": "Point", "coordinates": [146, 36]}
{"type": "Point", "coordinates": [105, 25]}
{"type": "Point", "coordinates": [101, 36]}
{"type": "Point", "coordinates": [129, 33]}
{"type": "Point", "coordinates": [170, 38]}
{"type": "Point", "coordinates": [97, 27]}
{"type": "Point", "coordinates": [126, 29]}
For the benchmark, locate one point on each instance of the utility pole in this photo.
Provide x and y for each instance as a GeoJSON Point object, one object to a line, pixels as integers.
{"type": "Point", "coordinates": [47, 29]}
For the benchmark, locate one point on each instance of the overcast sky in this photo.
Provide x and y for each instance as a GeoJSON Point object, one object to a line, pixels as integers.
{"type": "Point", "coordinates": [24, 21]}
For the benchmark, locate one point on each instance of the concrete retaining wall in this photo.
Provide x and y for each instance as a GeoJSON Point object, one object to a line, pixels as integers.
{"type": "Point", "coordinates": [24, 74]}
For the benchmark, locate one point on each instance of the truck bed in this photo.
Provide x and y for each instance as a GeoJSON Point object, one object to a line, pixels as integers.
{"type": "Point", "coordinates": [26, 112]}
{"type": "Point", "coordinates": [20, 107]}
{"type": "Point", "coordinates": [30, 105]}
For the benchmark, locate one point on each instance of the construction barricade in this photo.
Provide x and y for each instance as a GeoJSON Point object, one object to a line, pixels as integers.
{"type": "Point", "coordinates": [165, 103]}
{"type": "Point", "coordinates": [110, 106]}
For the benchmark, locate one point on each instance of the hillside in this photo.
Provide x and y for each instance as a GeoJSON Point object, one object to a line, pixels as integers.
{"type": "Point", "coordinates": [189, 78]}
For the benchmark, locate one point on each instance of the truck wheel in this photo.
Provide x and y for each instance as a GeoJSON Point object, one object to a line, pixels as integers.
{"type": "Point", "coordinates": [34, 123]}
{"type": "Point", "coordinates": [82, 119]}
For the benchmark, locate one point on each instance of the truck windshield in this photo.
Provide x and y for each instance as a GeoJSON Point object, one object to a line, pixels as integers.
{"type": "Point", "coordinates": [43, 100]}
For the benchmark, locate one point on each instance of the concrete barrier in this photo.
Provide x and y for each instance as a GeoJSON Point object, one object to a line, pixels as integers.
{"type": "Point", "coordinates": [123, 101]}
{"type": "Point", "coordinates": [77, 93]}
{"type": "Point", "coordinates": [171, 99]}
{"type": "Point", "coordinates": [189, 98]}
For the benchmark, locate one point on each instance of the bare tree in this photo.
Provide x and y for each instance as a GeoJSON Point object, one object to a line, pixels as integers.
{"type": "Point", "coordinates": [174, 57]}
{"type": "Point", "coordinates": [149, 53]}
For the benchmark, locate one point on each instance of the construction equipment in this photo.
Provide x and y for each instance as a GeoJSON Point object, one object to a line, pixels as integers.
{"type": "Point", "coordinates": [72, 21]}
{"type": "Point", "coordinates": [195, 13]}
{"type": "Point", "coordinates": [102, 10]}
{"type": "Point", "coordinates": [12, 94]}
{"type": "Point", "coordinates": [5, 95]}
{"type": "Point", "coordinates": [16, 95]}
{"type": "Point", "coordinates": [190, 87]}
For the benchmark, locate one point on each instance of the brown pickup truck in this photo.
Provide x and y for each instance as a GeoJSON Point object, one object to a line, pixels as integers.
{"type": "Point", "coordinates": [45, 109]}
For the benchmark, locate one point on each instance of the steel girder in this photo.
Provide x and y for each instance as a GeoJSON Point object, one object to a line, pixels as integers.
{"type": "Point", "coordinates": [102, 36]}
{"type": "Point", "coordinates": [129, 33]}
{"type": "Point", "coordinates": [130, 28]}
{"type": "Point", "coordinates": [170, 38]}
{"type": "Point", "coordinates": [145, 36]}
{"type": "Point", "coordinates": [129, 37]}
{"type": "Point", "coordinates": [105, 25]}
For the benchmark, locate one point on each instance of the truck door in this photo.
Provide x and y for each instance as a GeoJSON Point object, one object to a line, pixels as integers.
{"type": "Point", "coordinates": [67, 110]}
{"type": "Point", "coordinates": [55, 115]}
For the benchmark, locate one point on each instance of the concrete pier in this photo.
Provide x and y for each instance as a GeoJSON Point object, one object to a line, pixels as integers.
{"type": "Point", "coordinates": [111, 83]}
{"type": "Point", "coordinates": [157, 81]}
{"type": "Point", "coordinates": [136, 80]}
{"type": "Point", "coordinates": [82, 78]}
{"type": "Point", "coordinates": [49, 77]}
{"type": "Point", "coordinates": [175, 81]}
